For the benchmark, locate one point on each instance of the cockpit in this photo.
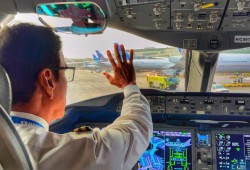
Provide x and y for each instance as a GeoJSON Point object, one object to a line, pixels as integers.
{"type": "Point", "coordinates": [192, 62]}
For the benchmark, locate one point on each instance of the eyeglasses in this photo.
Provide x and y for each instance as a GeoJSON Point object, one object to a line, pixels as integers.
{"type": "Point", "coordinates": [69, 72]}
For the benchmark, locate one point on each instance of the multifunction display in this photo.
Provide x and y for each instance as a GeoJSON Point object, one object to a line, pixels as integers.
{"type": "Point", "coordinates": [232, 151]}
{"type": "Point", "coordinates": [168, 150]}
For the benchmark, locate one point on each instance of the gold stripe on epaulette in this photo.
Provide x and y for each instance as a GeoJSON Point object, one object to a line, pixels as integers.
{"type": "Point", "coordinates": [82, 129]}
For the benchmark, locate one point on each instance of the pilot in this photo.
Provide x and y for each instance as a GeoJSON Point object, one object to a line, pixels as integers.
{"type": "Point", "coordinates": [32, 56]}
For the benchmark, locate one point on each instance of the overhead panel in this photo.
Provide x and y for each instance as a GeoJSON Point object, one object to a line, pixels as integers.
{"type": "Point", "coordinates": [197, 15]}
{"type": "Point", "coordinates": [172, 15]}
{"type": "Point", "coordinates": [238, 15]}
{"type": "Point", "coordinates": [197, 24]}
{"type": "Point", "coordinates": [147, 15]}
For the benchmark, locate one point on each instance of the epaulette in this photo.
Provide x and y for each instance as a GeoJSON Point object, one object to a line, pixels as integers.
{"type": "Point", "coordinates": [82, 129]}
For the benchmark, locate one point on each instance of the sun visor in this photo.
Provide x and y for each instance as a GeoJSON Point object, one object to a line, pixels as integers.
{"type": "Point", "coordinates": [8, 7]}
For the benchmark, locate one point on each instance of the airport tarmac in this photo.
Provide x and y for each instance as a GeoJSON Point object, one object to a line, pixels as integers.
{"type": "Point", "coordinates": [225, 79]}
{"type": "Point", "coordinates": [87, 85]}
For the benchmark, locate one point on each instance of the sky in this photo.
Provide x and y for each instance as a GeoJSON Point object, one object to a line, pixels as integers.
{"type": "Point", "coordinates": [79, 46]}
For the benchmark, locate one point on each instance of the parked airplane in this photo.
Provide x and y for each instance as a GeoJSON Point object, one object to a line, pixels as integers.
{"type": "Point", "coordinates": [93, 66]}
{"type": "Point", "coordinates": [232, 63]}
{"type": "Point", "coordinates": [139, 64]}
{"type": "Point", "coordinates": [227, 63]}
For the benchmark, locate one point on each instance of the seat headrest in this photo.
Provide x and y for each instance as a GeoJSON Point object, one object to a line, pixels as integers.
{"type": "Point", "coordinates": [5, 90]}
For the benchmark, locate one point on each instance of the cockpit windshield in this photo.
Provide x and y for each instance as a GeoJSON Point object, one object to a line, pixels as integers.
{"type": "Point", "coordinates": [157, 65]}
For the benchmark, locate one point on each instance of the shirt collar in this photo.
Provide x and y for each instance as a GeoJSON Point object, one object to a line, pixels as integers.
{"type": "Point", "coordinates": [31, 117]}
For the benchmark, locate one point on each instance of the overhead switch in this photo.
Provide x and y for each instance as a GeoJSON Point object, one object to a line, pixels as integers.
{"type": "Point", "coordinates": [197, 6]}
{"type": "Point", "coordinates": [210, 5]}
{"type": "Point", "coordinates": [213, 18]}
{"type": "Point", "coordinates": [191, 17]}
{"type": "Point", "coordinates": [157, 10]}
{"type": "Point", "coordinates": [241, 5]}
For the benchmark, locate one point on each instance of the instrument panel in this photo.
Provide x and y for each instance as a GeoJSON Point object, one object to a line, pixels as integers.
{"type": "Point", "coordinates": [192, 149]}
{"type": "Point", "coordinates": [191, 109]}
{"type": "Point", "coordinates": [192, 131]}
{"type": "Point", "coordinates": [185, 148]}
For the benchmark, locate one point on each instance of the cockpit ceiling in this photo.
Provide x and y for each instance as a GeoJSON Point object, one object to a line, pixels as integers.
{"type": "Point", "coordinates": [192, 24]}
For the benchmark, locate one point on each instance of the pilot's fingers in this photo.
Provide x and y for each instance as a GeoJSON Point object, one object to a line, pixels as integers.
{"type": "Point", "coordinates": [123, 54]}
{"type": "Point", "coordinates": [131, 56]}
{"type": "Point", "coordinates": [117, 55]}
{"type": "Point", "coordinates": [111, 59]}
{"type": "Point", "coordinates": [109, 77]}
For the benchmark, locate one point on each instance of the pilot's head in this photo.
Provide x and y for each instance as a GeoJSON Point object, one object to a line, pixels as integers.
{"type": "Point", "coordinates": [28, 53]}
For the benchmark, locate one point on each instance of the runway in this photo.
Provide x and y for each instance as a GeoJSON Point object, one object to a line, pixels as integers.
{"type": "Point", "coordinates": [88, 85]}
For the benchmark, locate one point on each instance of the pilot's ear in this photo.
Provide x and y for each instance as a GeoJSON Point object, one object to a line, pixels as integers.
{"type": "Point", "coordinates": [46, 82]}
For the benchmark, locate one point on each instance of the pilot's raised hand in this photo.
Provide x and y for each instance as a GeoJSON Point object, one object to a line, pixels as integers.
{"type": "Point", "coordinates": [124, 72]}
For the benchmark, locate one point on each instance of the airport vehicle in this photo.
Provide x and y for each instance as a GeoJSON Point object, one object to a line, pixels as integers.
{"type": "Point", "coordinates": [162, 82]}
{"type": "Point", "coordinates": [219, 88]}
{"type": "Point", "coordinates": [238, 82]}
{"type": "Point", "coordinates": [193, 129]}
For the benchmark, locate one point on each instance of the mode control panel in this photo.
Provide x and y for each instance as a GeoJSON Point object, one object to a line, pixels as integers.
{"type": "Point", "coordinates": [239, 106]}
{"type": "Point", "coordinates": [201, 105]}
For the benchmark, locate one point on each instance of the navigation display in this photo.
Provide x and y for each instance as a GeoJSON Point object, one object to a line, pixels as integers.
{"type": "Point", "coordinates": [232, 151]}
{"type": "Point", "coordinates": [168, 150]}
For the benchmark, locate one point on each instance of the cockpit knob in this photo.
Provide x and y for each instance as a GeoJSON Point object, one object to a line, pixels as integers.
{"type": "Point", "coordinates": [157, 25]}
{"type": "Point", "coordinates": [225, 109]}
{"type": "Point", "coordinates": [129, 13]}
{"type": "Point", "coordinates": [184, 108]}
{"type": "Point", "coordinates": [199, 161]}
{"type": "Point", "coordinates": [209, 161]}
{"type": "Point", "coordinates": [209, 107]}
{"type": "Point", "coordinates": [199, 158]}
{"type": "Point", "coordinates": [241, 108]}
{"type": "Point", "coordinates": [191, 17]}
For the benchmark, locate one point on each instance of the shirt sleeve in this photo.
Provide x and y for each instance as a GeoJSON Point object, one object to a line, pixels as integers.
{"type": "Point", "coordinates": [115, 147]}
{"type": "Point", "coordinates": [128, 136]}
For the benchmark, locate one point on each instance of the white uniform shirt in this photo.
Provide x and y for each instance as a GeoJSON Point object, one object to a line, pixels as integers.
{"type": "Point", "coordinates": [115, 147]}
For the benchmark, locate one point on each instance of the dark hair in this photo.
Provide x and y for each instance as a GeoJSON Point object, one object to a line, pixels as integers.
{"type": "Point", "coordinates": [25, 49]}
